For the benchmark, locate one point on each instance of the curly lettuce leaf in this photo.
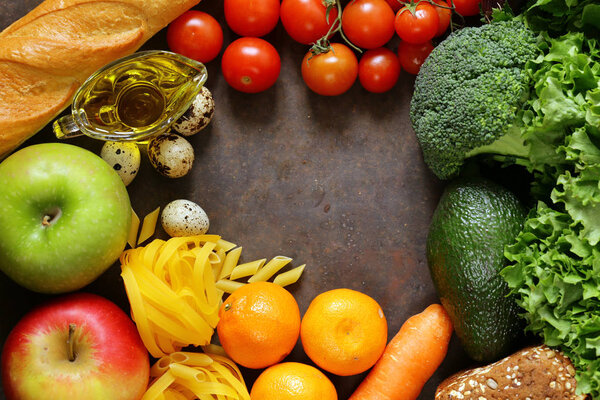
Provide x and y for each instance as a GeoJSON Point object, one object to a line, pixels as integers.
{"type": "Point", "coordinates": [555, 277]}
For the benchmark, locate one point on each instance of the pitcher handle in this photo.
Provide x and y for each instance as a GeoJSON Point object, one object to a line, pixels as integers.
{"type": "Point", "coordinates": [65, 127]}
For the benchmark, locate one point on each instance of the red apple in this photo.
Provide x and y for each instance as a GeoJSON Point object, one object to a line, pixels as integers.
{"type": "Point", "coordinates": [76, 347]}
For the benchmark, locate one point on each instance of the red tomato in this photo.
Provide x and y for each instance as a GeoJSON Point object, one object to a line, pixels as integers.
{"type": "Point", "coordinates": [395, 4]}
{"type": "Point", "coordinates": [378, 70]}
{"type": "Point", "coordinates": [412, 56]}
{"type": "Point", "coordinates": [368, 23]}
{"type": "Point", "coordinates": [420, 27]}
{"type": "Point", "coordinates": [251, 17]}
{"type": "Point", "coordinates": [306, 20]}
{"type": "Point", "coordinates": [444, 15]}
{"type": "Point", "coordinates": [196, 35]}
{"type": "Point", "coordinates": [467, 8]}
{"type": "Point", "coordinates": [331, 73]}
{"type": "Point", "coordinates": [250, 65]}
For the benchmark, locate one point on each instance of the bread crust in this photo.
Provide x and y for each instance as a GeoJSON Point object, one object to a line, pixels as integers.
{"type": "Point", "coordinates": [533, 373]}
{"type": "Point", "coordinates": [46, 55]}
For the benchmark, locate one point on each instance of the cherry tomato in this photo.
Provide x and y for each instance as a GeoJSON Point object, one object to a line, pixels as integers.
{"type": "Point", "coordinates": [195, 34]}
{"type": "Point", "coordinates": [331, 73]}
{"type": "Point", "coordinates": [395, 4]}
{"type": "Point", "coordinates": [467, 8]}
{"type": "Point", "coordinates": [412, 56]}
{"type": "Point", "coordinates": [306, 20]}
{"type": "Point", "coordinates": [418, 27]}
{"type": "Point", "coordinates": [378, 70]}
{"type": "Point", "coordinates": [444, 15]}
{"type": "Point", "coordinates": [368, 23]}
{"type": "Point", "coordinates": [250, 65]}
{"type": "Point", "coordinates": [251, 17]}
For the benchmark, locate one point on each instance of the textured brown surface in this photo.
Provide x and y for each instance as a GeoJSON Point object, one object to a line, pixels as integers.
{"type": "Point", "coordinates": [532, 373]}
{"type": "Point", "coordinates": [336, 183]}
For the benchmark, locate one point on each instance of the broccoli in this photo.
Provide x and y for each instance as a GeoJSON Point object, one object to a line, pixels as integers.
{"type": "Point", "coordinates": [468, 92]}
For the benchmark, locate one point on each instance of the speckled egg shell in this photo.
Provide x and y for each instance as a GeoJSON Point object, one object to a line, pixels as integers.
{"type": "Point", "coordinates": [198, 116]}
{"type": "Point", "coordinates": [171, 155]}
{"type": "Point", "coordinates": [123, 157]}
{"type": "Point", "coordinates": [184, 218]}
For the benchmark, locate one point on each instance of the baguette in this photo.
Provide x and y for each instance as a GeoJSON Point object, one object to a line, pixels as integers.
{"type": "Point", "coordinates": [532, 373]}
{"type": "Point", "coordinates": [46, 55]}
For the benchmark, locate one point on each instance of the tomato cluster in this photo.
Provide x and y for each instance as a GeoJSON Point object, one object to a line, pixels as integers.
{"type": "Point", "coordinates": [251, 64]}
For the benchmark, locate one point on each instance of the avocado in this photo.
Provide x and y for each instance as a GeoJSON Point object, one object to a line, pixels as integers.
{"type": "Point", "coordinates": [473, 222]}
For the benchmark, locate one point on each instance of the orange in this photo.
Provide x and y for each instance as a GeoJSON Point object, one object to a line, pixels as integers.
{"type": "Point", "coordinates": [259, 324]}
{"type": "Point", "coordinates": [292, 381]}
{"type": "Point", "coordinates": [344, 331]}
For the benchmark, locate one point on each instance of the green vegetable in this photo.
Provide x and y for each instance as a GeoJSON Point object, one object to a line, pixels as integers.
{"type": "Point", "coordinates": [555, 271]}
{"type": "Point", "coordinates": [561, 16]}
{"type": "Point", "coordinates": [473, 222]}
{"type": "Point", "coordinates": [468, 92]}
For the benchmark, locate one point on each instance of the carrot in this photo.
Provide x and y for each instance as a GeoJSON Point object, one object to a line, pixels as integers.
{"type": "Point", "coordinates": [409, 359]}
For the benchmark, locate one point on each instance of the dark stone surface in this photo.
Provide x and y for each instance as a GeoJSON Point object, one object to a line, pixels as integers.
{"type": "Point", "coordinates": [336, 183]}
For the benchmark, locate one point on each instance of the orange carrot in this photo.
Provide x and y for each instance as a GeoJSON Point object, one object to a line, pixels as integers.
{"type": "Point", "coordinates": [409, 359]}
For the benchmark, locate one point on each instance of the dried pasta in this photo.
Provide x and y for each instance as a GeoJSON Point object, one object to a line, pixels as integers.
{"type": "Point", "coordinates": [186, 375]}
{"type": "Point", "coordinates": [172, 292]}
{"type": "Point", "coordinates": [175, 288]}
{"type": "Point", "coordinates": [289, 277]}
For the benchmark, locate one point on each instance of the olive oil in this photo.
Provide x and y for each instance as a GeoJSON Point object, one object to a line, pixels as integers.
{"type": "Point", "coordinates": [134, 98]}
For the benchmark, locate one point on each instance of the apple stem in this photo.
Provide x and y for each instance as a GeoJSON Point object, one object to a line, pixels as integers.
{"type": "Point", "coordinates": [46, 220]}
{"type": "Point", "coordinates": [70, 342]}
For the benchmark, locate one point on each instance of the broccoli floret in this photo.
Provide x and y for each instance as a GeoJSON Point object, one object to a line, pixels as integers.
{"type": "Point", "coordinates": [467, 93]}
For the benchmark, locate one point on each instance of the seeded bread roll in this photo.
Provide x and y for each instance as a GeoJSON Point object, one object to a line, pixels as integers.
{"type": "Point", "coordinates": [534, 373]}
{"type": "Point", "coordinates": [46, 55]}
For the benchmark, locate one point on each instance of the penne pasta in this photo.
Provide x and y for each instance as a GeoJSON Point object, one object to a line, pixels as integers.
{"type": "Point", "coordinates": [270, 269]}
{"type": "Point", "coordinates": [247, 269]}
{"type": "Point", "coordinates": [228, 286]}
{"type": "Point", "coordinates": [289, 277]}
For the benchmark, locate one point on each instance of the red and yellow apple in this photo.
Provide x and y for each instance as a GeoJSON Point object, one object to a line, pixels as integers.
{"type": "Point", "coordinates": [78, 347]}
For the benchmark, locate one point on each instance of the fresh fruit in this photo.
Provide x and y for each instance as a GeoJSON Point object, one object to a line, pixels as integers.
{"type": "Point", "coordinates": [444, 16]}
{"type": "Point", "coordinates": [250, 65]}
{"type": "Point", "coordinates": [65, 217]}
{"type": "Point", "coordinates": [417, 25]}
{"type": "Point", "coordinates": [306, 21]}
{"type": "Point", "coordinates": [292, 381]}
{"type": "Point", "coordinates": [79, 346]}
{"type": "Point", "coordinates": [259, 324]}
{"type": "Point", "coordinates": [467, 8]}
{"type": "Point", "coordinates": [368, 23]}
{"type": "Point", "coordinates": [331, 73]}
{"type": "Point", "coordinates": [344, 331]}
{"type": "Point", "coordinates": [410, 359]}
{"type": "Point", "coordinates": [473, 222]}
{"type": "Point", "coordinates": [251, 18]}
{"type": "Point", "coordinates": [197, 35]}
{"type": "Point", "coordinates": [412, 56]}
{"type": "Point", "coordinates": [378, 70]}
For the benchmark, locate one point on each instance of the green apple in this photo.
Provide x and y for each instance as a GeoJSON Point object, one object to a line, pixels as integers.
{"type": "Point", "coordinates": [64, 217]}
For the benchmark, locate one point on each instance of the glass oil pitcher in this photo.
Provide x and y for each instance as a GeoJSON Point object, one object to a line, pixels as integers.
{"type": "Point", "coordinates": [134, 98]}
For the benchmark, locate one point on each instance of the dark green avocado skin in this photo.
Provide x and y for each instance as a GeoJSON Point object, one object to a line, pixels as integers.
{"type": "Point", "coordinates": [472, 223]}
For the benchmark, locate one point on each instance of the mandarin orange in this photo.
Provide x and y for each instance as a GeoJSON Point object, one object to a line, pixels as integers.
{"type": "Point", "coordinates": [259, 324]}
{"type": "Point", "coordinates": [344, 331]}
{"type": "Point", "coordinates": [292, 381]}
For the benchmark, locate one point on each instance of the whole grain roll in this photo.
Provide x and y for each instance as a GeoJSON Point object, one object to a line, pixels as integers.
{"type": "Point", "coordinates": [534, 373]}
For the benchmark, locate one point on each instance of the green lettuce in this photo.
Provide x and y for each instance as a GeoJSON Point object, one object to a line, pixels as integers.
{"type": "Point", "coordinates": [554, 269]}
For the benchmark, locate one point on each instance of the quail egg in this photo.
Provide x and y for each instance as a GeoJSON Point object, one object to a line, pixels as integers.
{"type": "Point", "coordinates": [198, 116]}
{"type": "Point", "coordinates": [171, 155]}
{"type": "Point", "coordinates": [184, 218]}
{"type": "Point", "coordinates": [123, 157]}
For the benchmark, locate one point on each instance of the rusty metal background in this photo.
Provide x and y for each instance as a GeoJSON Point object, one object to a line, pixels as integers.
{"type": "Point", "coordinates": [336, 183]}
